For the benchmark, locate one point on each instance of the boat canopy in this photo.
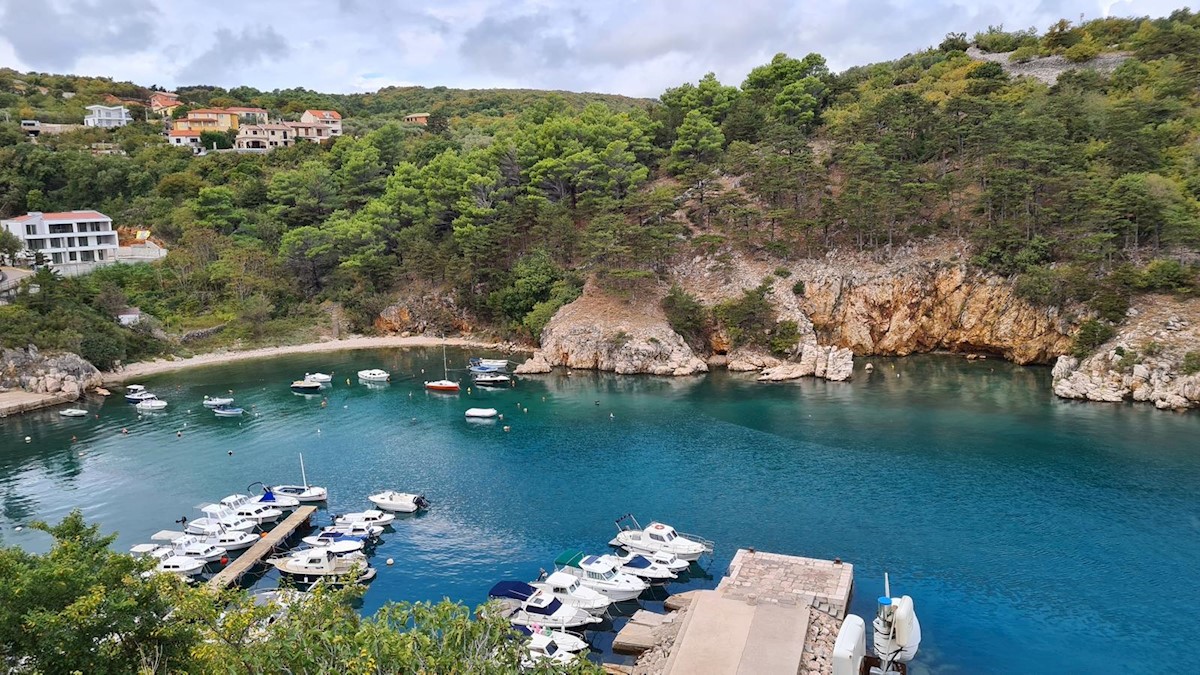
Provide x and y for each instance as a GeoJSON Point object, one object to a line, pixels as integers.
{"type": "Point", "coordinates": [548, 606]}
{"type": "Point", "coordinates": [267, 496]}
{"type": "Point", "coordinates": [562, 580]}
{"type": "Point", "coordinates": [637, 562]}
{"type": "Point", "coordinates": [517, 590]}
{"type": "Point", "coordinates": [570, 558]}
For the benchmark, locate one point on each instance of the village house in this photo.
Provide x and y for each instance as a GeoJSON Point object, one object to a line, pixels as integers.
{"type": "Point", "coordinates": [249, 115]}
{"type": "Point", "coordinates": [184, 138]}
{"type": "Point", "coordinates": [106, 116]}
{"type": "Point", "coordinates": [70, 242]}
{"type": "Point", "coordinates": [207, 119]}
{"type": "Point", "coordinates": [162, 103]}
{"type": "Point", "coordinates": [264, 136]}
{"type": "Point", "coordinates": [417, 118]}
{"type": "Point", "coordinates": [329, 120]}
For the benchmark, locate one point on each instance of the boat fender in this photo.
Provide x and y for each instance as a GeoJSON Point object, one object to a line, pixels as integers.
{"type": "Point", "coordinates": [231, 453]}
{"type": "Point", "coordinates": [390, 562]}
{"type": "Point", "coordinates": [224, 560]}
{"type": "Point", "coordinates": [507, 428]}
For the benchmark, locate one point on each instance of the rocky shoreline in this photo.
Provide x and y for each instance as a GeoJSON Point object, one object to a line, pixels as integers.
{"type": "Point", "coordinates": [64, 375]}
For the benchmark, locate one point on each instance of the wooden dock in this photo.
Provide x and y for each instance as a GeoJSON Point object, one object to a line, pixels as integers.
{"type": "Point", "coordinates": [266, 544]}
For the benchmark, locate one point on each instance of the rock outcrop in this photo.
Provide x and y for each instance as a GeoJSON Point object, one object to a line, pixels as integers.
{"type": "Point", "coordinates": [65, 374]}
{"type": "Point", "coordinates": [1144, 361]}
{"type": "Point", "coordinates": [831, 363]}
{"type": "Point", "coordinates": [602, 332]}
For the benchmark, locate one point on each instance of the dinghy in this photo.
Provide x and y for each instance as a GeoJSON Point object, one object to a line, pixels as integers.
{"type": "Point", "coordinates": [73, 412]}
{"type": "Point", "coordinates": [368, 517]}
{"type": "Point", "coordinates": [228, 411]}
{"type": "Point", "coordinates": [525, 605]}
{"type": "Point", "coordinates": [659, 537]}
{"type": "Point", "coordinates": [303, 493]}
{"type": "Point", "coordinates": [482, 413]}
{"type": "Point", "coordinates": [217, 401]}
{"type": "Point", "coordinates": [319, 378]}
{"type": "Point", "coordinates": [306, 387]}
{"type": "Point", "coordinates": [151, 403]}
{"type": "Point", "coordinates": [374, 375]}
{"type": "Point", "coordinates": [399, 502]}
{"type": "Point", "coordinates": [600, 575]}
{"type": "Point", "coordinates": [570, 591]}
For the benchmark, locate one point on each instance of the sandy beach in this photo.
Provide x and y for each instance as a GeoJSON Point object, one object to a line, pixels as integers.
{"type": "Point", "coordinates": [144, 368]}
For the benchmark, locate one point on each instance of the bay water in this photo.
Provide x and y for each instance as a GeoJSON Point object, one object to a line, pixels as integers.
{"type": "Point", "coordinates": [1035, 535]}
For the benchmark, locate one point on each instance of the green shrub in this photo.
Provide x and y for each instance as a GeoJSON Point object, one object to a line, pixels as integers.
{"type": "Point", "coordinates": [1091, 335]}
{"type": "Point", "coordinates": [1024, 54]}
{"type": "Point", "coordinates": [1128, 360]}
{"type": "Point", "coordinates": [686, 315]}
{"type": "Point", "coordinates": [1152, 348]}
{"type": "Point", "coordinates": [1084, 51]}
{"type": "Point", "coordinates": [1110, 302]}
{"type": "Point", "coordinates": [798, 288]}
{"type": "Point", "coordinates": [782, 272]}
{"type": "Point", "coordinates": [784, 338]}
{"type": "Point", "coordinates": [1164, 275]}
{"type": "Point", "coordinates": [747, 319]}
{"type": "Point", "coordinates": [996, 40]}
{"type": "Point", "coordinates": [1191, 363]}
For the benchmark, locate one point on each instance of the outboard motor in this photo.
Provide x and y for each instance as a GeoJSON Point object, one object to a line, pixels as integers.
{"type": "Point", "coordinates": [897, 631]}
{"type": "Point", "coordinates": [422, 502]}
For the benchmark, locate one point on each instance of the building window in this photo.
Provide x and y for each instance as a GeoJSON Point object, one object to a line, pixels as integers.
{"type": "Point", "coordinates": [71, 256]}
{"type": "Point", "coordinates": [85, 256]}
{"type": "Point", "coordinates": [30, 228]}
{"type": "Point", "coordinates": [56, 258]}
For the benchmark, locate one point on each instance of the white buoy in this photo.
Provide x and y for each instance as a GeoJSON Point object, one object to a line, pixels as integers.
{"type": "Point", "coordinates": [18, 528]}
{"type": "Point", "coordinates": [28, 439]}
{"type": "Point", "coordinates": [391, 561]}
{"type": "Point", "coordinates": [507, 428]}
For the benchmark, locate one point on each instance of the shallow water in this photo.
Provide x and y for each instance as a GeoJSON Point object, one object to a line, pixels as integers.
{"type": "Point", "coordinates": [1035, 535]}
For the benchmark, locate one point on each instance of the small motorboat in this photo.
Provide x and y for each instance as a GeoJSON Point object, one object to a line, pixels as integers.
{"type": "Point", "coordinates": [368, 517]}
{"type": "Point", "coordinates": [642, 567]}
{"type": "Point", "coordinates": [228, 411]}
{"type": "Point", "coordinates": [668, 560]}
{"type": "Point", "coordinates": [319, 378]}
{"type": "Point", "coordinates": [198, 548]}
{"type": "Point", "coordinates": [302, 493]}
{"type": "Point", "coordinates": [218, 517]}
{"type": "Point", "coordinates": [269, 498]}
{"type": "Point", "coordinates": [480, 370]}
{"type": "Point", "coordinates": [217, 401]}
{"type": "Point", "coordinates": [321, 563]}
{"type": "Point", "coordinates": [135, 393]}
{"type": "Point", "coordinates": [331, 533]}
{"type": "Point", "coordinates": [525, 605]}
{"type": "Point", "coordinates": [151, 403]}
{"type": "Point", "coordinates": [568, 589]}
{"type": "Point", "coordinates": [659, 537]}
{"type": "Point", "coordinates": [568, 642]}
{"type": "Point", "coordinates": [399, 502]}
{"type": "Point", "coordinates": [257, 511]}
{"type": "Point", "coordinates": [230, 540]}
{"type": "Point", "coordinates": [324, 538]}
{"type": "Point", "coordinates": [374, 375]}
{"type": "Point", "coordinates": [344, 546]}
{"type": "Point", "coordinates": [543, 650]}
{"type": "Point", "coordinates": [600, 575]}
{"type": "Point", "coordinates": [168, 561]}
{"type": "Point", "coordinates": [489, 363]}
{"type": "Point", "coordinates": [482, 413]}
{"type": "Point", "coordinates": [306, 387]}
{"type": "Point", "coordinates": [492, 379]}
{"type": "Point", "coordinates": [73, 412]}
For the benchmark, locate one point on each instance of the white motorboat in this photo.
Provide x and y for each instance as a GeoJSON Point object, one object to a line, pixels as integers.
{"type": "Point", "coordinates": [482, 413]}
{"type": "Point", "coordinates": [667, 560]}
{"type": "Point", "coordinates": [332, 533]}
{"type": "Point", "coordinates": [199, 548]}
{"type": "Point", "coordinates": [324, 538]}
{"type": "Point", "coordinates": [218, 517]}
{"type": "Point", "coordinates": [302, 493]}
{"type": "Point", "coordinates": [490, 363]}
{"type": "Point", "coordinates": [230, 540]}
{"type": "Point", "coordinates": [168, 561]}
{"type": "Point", "coordinates": [305, 388]}
{"type": "Point", "coordinates": [151, 403]}
{"type": "Point", "coordinates": [525, 605]}
{"type": "Point", "coordinates": [246, 507]}
{"type": "Point", "coordinates": [319, 378]}
{"type": "Point", "coordinates": [601, 576]}
{"type": "Point", "coordinates": [399, 502]}
{"type": "Point", "coordinates": [568, 642]}
{"type": "Point", "coordinates": [73, 412]}
{"type": "Point", "coordinates": [570, 591]}
{"type": "Point", "coordinates": [228, 411]}
{"type": "Point", "coordinates": [341, 547]}
{"type": "Point", "coordinates": [135, 393]}
{"type": "Point", "coordinates": [368, 517]}
{"type": "Point", "coordinates": [374, 375]}
{"type": "Point", "coordinates": [659, 537]}
{"type": "Point", "coordinates": [642, 567]}
{"type": "Point", "coordinates": [217, 401]}
{"type": "Point", "coordinates": [270, 498]}
{"type": "Point", "coordinates": [544, 650]}
{"type": "Point", "coordinates": [491, 379]}
{"type": "Point", "coordinates": [322, 563]}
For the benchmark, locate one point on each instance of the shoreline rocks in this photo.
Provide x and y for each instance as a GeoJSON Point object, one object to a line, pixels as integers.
{"type": "Point", "coordinates": [64, 374]}
{"type": "Point", "coordinates": [831, 363]}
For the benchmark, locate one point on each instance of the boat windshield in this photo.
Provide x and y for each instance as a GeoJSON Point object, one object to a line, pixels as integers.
{"type": "Point", "coordinates": [551, 648]}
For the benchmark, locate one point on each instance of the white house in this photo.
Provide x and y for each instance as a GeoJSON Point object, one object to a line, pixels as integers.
{"type": "Point", "coordinates": [331, 120]}
{"type": "Point", "coordinates": [71, 242]}
{"type": "Point", "coordinates": [106, 116]}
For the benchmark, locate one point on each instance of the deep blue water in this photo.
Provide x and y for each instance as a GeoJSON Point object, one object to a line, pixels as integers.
{"type": "Point", "coordinates": [1035, 535]}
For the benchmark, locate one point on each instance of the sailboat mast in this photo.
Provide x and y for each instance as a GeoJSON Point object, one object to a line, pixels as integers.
{"type": "Point", "coordinates": [303, 476]}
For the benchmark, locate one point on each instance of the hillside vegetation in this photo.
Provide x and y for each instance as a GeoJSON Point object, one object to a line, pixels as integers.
{"type": "Point", "coordinates": [1086, 192]}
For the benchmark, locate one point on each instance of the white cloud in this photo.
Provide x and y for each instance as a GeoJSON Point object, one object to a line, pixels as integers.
{"type": "Point", "coordinates": [635, 47]}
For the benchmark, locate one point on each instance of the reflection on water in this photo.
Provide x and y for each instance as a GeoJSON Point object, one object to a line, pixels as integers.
{"type": "Point", "coordinates": [1029, 530]}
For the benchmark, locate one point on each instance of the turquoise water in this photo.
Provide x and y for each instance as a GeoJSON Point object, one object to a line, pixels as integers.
{"type": "Point", "coordinates": [1035, 535]}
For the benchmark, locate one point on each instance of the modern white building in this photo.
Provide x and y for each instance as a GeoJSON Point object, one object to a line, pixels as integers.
{"type": "Point", "coordinates": [71, 242]}
{"type": "Point", "coordinates": [106, 116]}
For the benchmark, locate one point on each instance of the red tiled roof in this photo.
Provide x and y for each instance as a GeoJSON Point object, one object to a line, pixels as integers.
{"type": "Point", "coordinates": [328, 114]}
{"type": "Point", "coordinates": [239, 109]}
{"type": "Point", "coordinates": [209, 110]}
{"type": "Point", "coordinates": [183, 132]}
{"type": "Point", "coordinates": [67, 215]}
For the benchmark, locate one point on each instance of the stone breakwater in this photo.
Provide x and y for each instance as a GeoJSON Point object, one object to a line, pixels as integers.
{"type": "Point", "coordinates": [1143, 362]}
{"type": "Point", "coordinates": [63, 375]}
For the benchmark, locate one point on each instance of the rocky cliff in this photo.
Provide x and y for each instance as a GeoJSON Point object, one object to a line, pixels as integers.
{"type": "Point", "coordinates": [1144, 361]}
{"type": "Point", "coordinates": [65, 374]}
{"type": "Point", "coordinates": [624, 335]}
{"type": "Point", "coordinates": [916, 301]}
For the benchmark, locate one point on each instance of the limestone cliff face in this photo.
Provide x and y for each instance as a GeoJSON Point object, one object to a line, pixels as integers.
{"type": "Point", "coordinates": [928, 306]}
{"type": "Point", "coordinates": [602, 332]}
{"type": "Point", "coordinates": [1143, 362]}
{"type": "Point", "coordinates": [66, 374]}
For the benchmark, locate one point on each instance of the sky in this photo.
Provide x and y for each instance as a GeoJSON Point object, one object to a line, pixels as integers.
{"type": "Point", "coordinates": [632, 47]}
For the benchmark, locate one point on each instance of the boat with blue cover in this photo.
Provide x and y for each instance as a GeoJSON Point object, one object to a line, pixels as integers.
{"type": "Point", "coordinates": [525, 605]}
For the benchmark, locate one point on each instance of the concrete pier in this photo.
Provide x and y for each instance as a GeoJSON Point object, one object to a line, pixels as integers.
{"type": "Point", "coordinates": [19, 401]}
{"type": "Point", "coordinates": [772, 614]}
{"type": "Point", "coordinates": [235, 570]}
